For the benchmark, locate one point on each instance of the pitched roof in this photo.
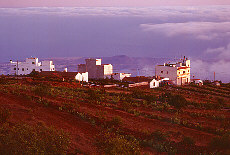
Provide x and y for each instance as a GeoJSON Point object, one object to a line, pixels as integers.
{"type": "Point", "coordinates": [58, 74]}
{"type": "Point", "coordinates": [137, 79]}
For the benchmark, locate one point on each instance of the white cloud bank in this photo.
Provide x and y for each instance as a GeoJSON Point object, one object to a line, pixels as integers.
{"type": "Point", "coordinates": [221, 65]}
{"type": "Point", "coordinates": [163, 13]}
{"type": "Point", "coordinates": [199, 30]}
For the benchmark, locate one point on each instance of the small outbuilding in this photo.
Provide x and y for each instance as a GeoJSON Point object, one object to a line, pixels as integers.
{"type": "Point", "coordinates": [157, 81]}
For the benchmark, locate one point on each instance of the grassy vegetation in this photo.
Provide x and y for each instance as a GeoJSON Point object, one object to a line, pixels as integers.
{"type": "Point", "coordinates": [175, 106]}
{"type": "Point", "coordinates": [23, 138]}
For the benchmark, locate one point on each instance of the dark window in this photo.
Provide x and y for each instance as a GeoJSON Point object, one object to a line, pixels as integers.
{"type": "Point", "coordinates": [14, 68]}
{"type": "Point", "coordinates": [167, 72]}
{"type": "Point", "coordinates": [27, 69]}
{"type": "Point", "coordinates": [154, 84]}
{"type": "Point", "coordinates": [34, 70]}
{"type": "Point", "coordinates": [18, 68]}
{"type": "Point", "coordinates": [33, 62]}
{"type": "Point", "coordinates": [162, 72]}
{"type": "Point", "coordinates": [40, 69]}
{"type": "Point", "coordinates": [22, 69]}
{"type": "Point", "coordinates": [188, 70]}
{"type": "Point", "coordinates": [183, 72]}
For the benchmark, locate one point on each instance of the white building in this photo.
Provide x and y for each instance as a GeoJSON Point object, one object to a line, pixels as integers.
{"type": "Point", "coordinates": [65, 75]}
{"type": "Point", "coordinates": [197, 81]}
{"type": "Point", "coordinates": [31, 64]}
{"type": "Point", "coordinates": [178, 73]}
{"type": "Point", "coordinates": [95, 69]}
{"type": "Point", "coordinates": [156, 82]}
{"type": "Point", "coordinates": [82, 77]}
{"type": "Point", "coordinates": [120, 76]}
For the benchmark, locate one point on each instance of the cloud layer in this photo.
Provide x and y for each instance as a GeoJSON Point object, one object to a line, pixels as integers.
{"type": "Point", "coordinates": [199, 30]}
{"type": "Point", "coordinates": [106, 3]}
{"type": "Point", "coordinates": [201, 33]}
{"type": "Point", "coordinates": [207, 13]}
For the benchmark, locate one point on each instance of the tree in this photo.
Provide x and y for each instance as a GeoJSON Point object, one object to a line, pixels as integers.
{"type": "Point", "coordinates": [178, 101]}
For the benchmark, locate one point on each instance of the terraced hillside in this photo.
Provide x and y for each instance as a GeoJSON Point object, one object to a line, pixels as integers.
{"type": "Point", "coordinates": [173, 120]}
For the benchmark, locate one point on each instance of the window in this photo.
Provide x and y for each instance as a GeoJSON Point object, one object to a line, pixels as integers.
{"type": "Point", "coordinates": [167, 72]}
{"type": "Point", "coordinates": [183, 72]}
{"type": "Point", "coordinates": [34, 70]}
{"type": "Point", "coordinates": [22, 69]}
{"type": "Point", "coordinates": [161, 72]}
{"type": "Point", "coordinates": [40, 69]}
{"type": "Point", "coordinates": [153, 83]}
{"type": "Point", "coordinates": [188, 71]}
{"type": "Point", "coordinates": [33, 62]}
{"type": "Point", "coordinates": [14, 68]}
{"type": "Point", "coordinates": [27, 69]}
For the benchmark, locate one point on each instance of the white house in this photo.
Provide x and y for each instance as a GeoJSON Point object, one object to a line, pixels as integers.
{"type": "Point", "coordinates": [197, 81]}
{"type": "Point", "coordinates": [156, 82]}
{"type": "Point", "coordinates": [82, 76]}
{"type": "Point", "coordinates": [120, 76]}
{"type": "Point", "coordinates": [65, 75]}
{"type": "Point", "coordinates": [31, 64]}
{"type": "Point", "coordinates": [178, 73]}
{"type": "Point", "coordinates": [95, 69]}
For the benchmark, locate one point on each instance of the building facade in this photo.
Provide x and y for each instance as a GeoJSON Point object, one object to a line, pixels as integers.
{"type": "Point", "coordinates": [120, 76]}
{"type": "Point", "coordinates": [156, 82]}
{"type": "Point", "coordinates": [65, 75]}
{"type": "Point", "coordinates": [95, 69]}
{"type": "Point", "coordinates": [31, 64]}
{"type": "Point", "coordinates": [178, 73]}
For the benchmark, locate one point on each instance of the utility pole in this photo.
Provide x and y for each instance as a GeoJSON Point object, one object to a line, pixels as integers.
{"type": "Point", "coordinates": [214, 76]}
{"type": "Point", "coordinates": [17, 69]}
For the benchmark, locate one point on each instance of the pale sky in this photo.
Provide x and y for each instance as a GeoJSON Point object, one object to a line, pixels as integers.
{"type": "Point", "coordinates": [105, 3]}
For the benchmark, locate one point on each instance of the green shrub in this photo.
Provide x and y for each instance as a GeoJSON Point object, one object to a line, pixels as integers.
{"type": "Point", "coordinates": [178, 101]}
{"type": "Point", "coordinates": [42, 90]}
{"type": "Point", "coordinates": [159, 136]}
{"type": "Point", "coordinates": [116, 121]}
{"type": "Point", "coordinates": [36, 139]}
{"type": "Point", "coordinates": [111, 143]}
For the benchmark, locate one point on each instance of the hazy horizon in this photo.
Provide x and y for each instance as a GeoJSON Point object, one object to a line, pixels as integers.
{"type": "Point", "coordinates": [201, 33]}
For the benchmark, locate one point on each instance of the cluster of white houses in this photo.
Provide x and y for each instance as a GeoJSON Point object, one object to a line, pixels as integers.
{"type": "Point", "coordinates": [178, 73]}
{"type": "Point", "coordinates": [92, 69]}
{"type": "Point", "coordinates": [31, 64]}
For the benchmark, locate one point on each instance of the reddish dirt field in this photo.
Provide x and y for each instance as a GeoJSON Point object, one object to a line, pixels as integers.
{"type": "Point", "coordinates": [83, 133]}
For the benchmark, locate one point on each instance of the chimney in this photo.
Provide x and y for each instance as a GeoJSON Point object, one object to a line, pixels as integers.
{"type": "Point", "coordinates": [65, 70]}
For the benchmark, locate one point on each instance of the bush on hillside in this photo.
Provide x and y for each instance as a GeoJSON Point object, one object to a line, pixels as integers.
{"type": "Point", "coordinates": [178, 101]}
{"type": "Point", "coordinates": [38, 139]}
{"type": "Point", "coordinates": [112, 143]}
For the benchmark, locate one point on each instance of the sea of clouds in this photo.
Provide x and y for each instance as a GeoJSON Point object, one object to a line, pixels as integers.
{"type": "Point", "coordinates": [201, 33]}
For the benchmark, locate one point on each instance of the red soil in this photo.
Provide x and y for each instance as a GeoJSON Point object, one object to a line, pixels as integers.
{"type": "Point", "coordinates": [81, 132]}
